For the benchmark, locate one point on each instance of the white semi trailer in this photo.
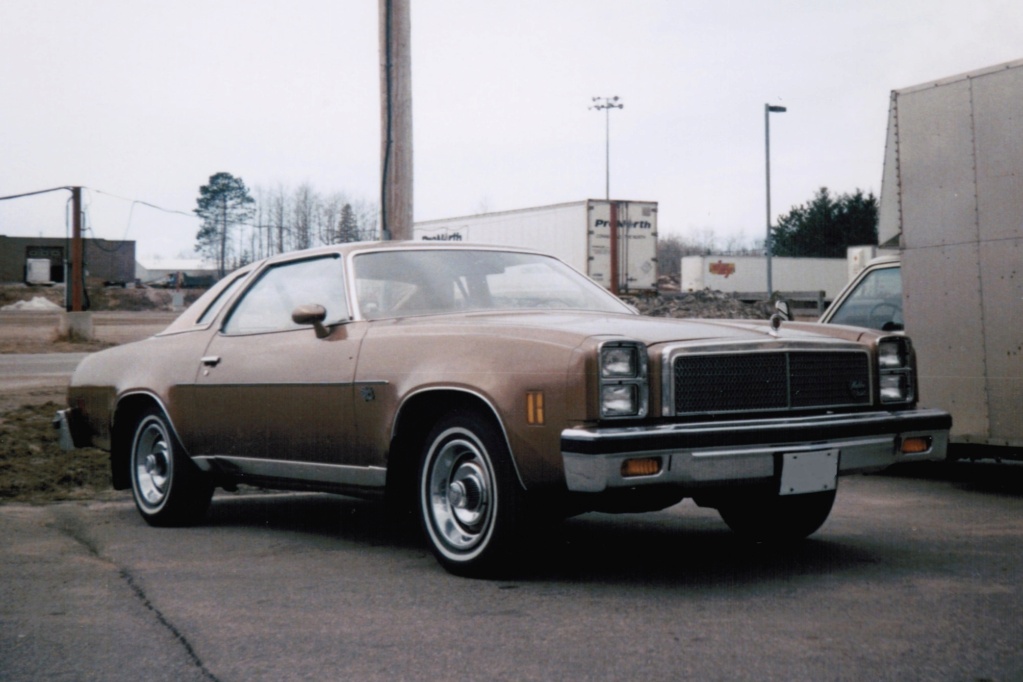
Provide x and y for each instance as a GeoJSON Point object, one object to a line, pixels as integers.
{"type": "Point", "coordinates": [951, 214]}
{"type": "Point", "coordinates": [614, 242]}
{"type": "Point", "coordinates": [749, 274]}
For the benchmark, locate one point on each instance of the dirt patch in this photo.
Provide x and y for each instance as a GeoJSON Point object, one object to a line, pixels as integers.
{"type": "Point", "coordinates": [33, 468]}
{"type": "Point", "coordinates": [38, 332]}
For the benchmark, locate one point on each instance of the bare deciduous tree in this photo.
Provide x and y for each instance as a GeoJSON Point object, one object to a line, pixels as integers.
{"type": "Point", "coordinates": [279, 219]}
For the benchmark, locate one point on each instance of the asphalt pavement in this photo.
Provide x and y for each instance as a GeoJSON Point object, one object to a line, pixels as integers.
{"type": "Point", "coordinates": [915, 576]}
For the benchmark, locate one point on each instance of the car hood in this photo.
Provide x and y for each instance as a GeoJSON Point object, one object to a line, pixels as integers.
{"type": "Point", "coordinates": [570, 327]}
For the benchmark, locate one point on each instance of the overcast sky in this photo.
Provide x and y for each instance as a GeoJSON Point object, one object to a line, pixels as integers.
{"type": "Point", "coordinates": [143, 100]}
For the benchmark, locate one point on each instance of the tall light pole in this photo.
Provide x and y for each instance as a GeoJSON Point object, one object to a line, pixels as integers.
{"type": "Point", "coordinates": [768, 110]}
{"type": "Point", "coordinates": [607, 104]}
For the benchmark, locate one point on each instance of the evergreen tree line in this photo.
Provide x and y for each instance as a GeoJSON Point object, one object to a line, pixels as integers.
{"type": "Point", "coordinates": [824, 227]}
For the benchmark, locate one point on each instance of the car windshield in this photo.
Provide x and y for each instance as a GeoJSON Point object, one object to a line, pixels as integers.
{"type": "Point", "coordinates": [428, 281]}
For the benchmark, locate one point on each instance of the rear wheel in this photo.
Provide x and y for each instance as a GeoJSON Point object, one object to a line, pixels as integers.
{"type": "Point", "coordinates": [777, 519]}
{"type": "Point", "coordinates": [470, 500]}
{"type": "Point", "coordinates": [168, 488]}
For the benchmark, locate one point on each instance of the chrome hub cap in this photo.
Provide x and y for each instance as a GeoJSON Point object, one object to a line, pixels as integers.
{"type": "Point", "coordinates": [467, 494]}
{"type": "Point", "coordinates": [153, 464]}
{"type": "Point", "coordinates": [460, 494]}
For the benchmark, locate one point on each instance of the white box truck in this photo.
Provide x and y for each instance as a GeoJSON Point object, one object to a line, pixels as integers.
{"type": "Point", "coordinates": [951, 216]}
{"type": "Point", "coordinates": [614, 242]}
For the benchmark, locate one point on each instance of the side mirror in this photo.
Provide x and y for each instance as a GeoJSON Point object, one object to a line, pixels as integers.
{"type": "Point", "coordinates": [781, 314]}
{"type": "Point", "coordinates": [311, 314]}
{"type": "Point", "coordinates": [782, 308]}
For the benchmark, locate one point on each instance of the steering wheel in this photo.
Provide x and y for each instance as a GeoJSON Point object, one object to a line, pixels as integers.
{"type": "Point", "coordinates": [876, 319]}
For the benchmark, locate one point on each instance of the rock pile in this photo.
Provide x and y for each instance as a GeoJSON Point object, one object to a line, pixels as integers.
{"type": "Point", "coordinates": [706, 304]}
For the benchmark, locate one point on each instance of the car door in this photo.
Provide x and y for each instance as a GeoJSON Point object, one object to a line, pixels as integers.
{"type": "Point", "coordinates": [272, 397]}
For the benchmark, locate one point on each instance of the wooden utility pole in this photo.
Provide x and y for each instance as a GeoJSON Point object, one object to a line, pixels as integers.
{"type": "Point", "coordinates": [396, 119]}
{"type": "Point", "coordinates": [76, 323]}
{"type": "Point", "coordinates": [77, 252]}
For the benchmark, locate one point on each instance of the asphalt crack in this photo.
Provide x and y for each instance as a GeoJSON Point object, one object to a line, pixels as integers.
{"type": "Point", "coordinates": [72, 528]}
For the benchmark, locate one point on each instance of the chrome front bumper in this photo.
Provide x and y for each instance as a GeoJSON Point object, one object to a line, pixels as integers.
{"type": "Point", "coordinates": [701, 455]}
{"type": "Point", "coordinates": [71, 428]}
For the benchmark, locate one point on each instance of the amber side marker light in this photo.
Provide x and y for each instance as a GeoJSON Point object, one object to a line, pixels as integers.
{"type": "Point", "coordinates": [647, 466]}
{"type": "Point", "coordinates": [534, 408]}
{"type": "Point", "coordinates": [915, 445]}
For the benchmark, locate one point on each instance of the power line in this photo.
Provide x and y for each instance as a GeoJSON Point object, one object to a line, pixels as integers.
{"type": "Point", "coordinates": [107, 194]}
{"type": "Point", "coordinates": [32, 194]}
{"type": "Point", "coordinates": [190, 214]}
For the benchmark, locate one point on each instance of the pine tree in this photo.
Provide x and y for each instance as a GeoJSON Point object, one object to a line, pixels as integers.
{"type": "Point", "coordinates": [349, 228]}
{"type": "Point", "coordinates": [223, 203]}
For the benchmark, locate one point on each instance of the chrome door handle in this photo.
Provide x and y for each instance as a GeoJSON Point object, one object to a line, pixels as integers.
{"type": "Point", "coordinates": [211, 360]}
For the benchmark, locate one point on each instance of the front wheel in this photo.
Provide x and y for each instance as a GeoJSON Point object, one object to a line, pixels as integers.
{"type": "Point", "coordinates": [470, 500]}
{"type": "Point", "coordinates": [777, 519]}
{"type": "Point", "coordinates": [168, 488]}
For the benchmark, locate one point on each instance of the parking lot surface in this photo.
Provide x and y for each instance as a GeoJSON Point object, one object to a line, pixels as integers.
{"type": "Point", "coordinates": [915, 576]}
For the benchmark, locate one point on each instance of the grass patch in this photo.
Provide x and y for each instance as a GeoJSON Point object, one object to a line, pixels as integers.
{"type": "Point", "coordinates": [33, 468]}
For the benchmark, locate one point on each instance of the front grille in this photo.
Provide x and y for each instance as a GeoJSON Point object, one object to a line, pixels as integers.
{"type": "Point", "coordinates": [770, 381]}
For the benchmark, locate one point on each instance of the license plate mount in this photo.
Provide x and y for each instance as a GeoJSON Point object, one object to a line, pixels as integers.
{"type": "Point", "coordinates": [808, 472]}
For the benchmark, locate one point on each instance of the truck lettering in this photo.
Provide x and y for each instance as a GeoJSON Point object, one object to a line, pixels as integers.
{"type": "Point", "coordinates": [627, 224]}
{"type": "Point", "coordinates": [445, 237]}
{"type": "Point", "coordinates": [720, 268]}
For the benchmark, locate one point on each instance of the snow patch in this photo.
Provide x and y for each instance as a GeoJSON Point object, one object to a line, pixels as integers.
{"type": "Point", "coordinates": [37, 303]}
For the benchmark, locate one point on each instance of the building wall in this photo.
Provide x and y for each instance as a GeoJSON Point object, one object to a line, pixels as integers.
{"type": "Point", "coordinates": [110, 261]}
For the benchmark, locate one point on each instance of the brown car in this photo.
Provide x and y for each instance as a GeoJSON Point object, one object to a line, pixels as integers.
{"type": "Point", "coordinates": [490, 388]}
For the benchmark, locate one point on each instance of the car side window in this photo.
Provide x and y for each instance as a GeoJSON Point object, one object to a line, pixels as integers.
{"type": "Point", "coordinates": [267, 305]}
{"type": "Point", "coordinates": [220, 300]}
{"type": "Point", "coordinates": [876, 302]}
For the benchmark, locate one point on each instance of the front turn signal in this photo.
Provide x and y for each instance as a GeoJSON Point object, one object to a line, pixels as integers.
{"type": "Point", "coordinates": [646, 466]}
{"type": "Point", "coordinates": [915, 445]}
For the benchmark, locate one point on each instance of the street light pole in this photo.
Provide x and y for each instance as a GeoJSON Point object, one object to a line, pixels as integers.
{"type": "Point", "coordinates": [768, 110]}
{"type": "Point", "coordinates": [607, 105]}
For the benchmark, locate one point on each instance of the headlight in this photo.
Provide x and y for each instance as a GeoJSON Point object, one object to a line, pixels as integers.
{"type": "Point", "coordinates": [619, 401]}
{"type": "Point", "coordinates": [619, 362]}
{"type": "Point", "coordinates": [623, 380]}
{"type": "Point", "coordinates": [892, 353]}
{"type": "Point", "coordinates": [894, 361]}
{"type": "Point", "coordinates": [894, 388]}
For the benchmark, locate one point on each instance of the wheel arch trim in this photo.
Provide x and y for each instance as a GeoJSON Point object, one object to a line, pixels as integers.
{"type": "Point", "coordinates": [483, 401]}
{"type": "Point", "coordinates": [150, 395]}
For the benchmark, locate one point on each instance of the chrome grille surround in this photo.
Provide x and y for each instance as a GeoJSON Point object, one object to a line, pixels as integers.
{"type": "Point", "coordinates": [700, 380]}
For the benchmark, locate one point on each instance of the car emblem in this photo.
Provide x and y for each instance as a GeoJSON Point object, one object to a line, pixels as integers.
{"type": "Point", "coordinates": [858, 388]}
